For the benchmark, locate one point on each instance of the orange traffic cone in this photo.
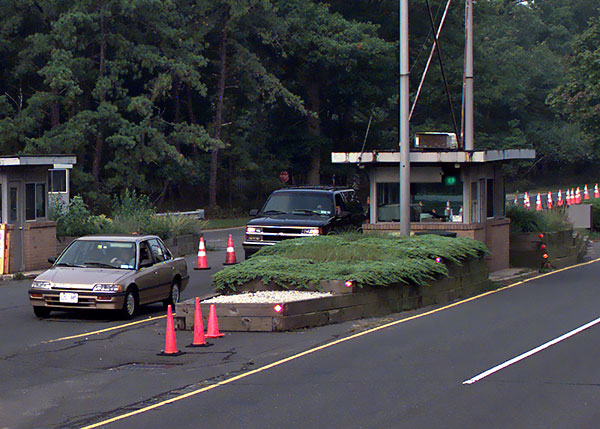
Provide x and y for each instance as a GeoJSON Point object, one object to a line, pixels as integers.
{"type": "Point", "coordinates": [526, 201]}
{"type": "Point", "coordinates": [577, 196]}
{"type": "Point", "coordinates": [516, 201]}
{"type": "Point", "coordinates": [199, 339]}
{"type": "Point", "coordinates": [212, 331]}
{"type": "Point", "coordinates": [202, 263]}
{"type": "Point", "coordinates": [596, 192]}
{"type": "Point", "coordinates": [586, 195]}
{"type": "Point", "coordinates": [568, 198]}
{"type": "Point", "coordinates": [549, 201]}
{"type": "Point", "coordinates": [170, 341]}
{"type": "Point", "coordinates": [559, 203]}
{"type": "Point", "coordinates": [230, 257]}
{"type": "Point", "coordinates": [538, 202]}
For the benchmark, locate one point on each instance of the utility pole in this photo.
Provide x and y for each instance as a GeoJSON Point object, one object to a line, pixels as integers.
{"type": "Point", "coordinates": [468, 91]}
{"type": "Point", "coordinates": [404, 197]}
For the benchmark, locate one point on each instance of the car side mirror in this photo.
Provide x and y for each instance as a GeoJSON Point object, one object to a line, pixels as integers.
{"type": "Point", "coordinates": [52, 259]}
{"type": "Point", "coordinates": [253, 212]}
{"type": "Point", "coordinates": [345, 214]}
{"type": "Point", "coordinates": [145, 264]}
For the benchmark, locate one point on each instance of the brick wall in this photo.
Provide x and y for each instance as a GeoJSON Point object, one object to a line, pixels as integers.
{"type": "Point", "coordinates": [39, 244]}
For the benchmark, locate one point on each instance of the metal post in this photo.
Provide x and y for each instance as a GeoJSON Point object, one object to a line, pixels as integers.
{"type": "Point", "coordinates": [468, 94]}
{"type": "Point", "coordinates": [404, 131]}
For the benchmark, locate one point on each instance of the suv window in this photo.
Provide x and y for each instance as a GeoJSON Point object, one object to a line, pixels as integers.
{"type": "Point", "coordinates": [339, 204]}
{"type": "Point", "coordinates": [352, 203]}
{"type": "Point", "coordinates": [290, 201]}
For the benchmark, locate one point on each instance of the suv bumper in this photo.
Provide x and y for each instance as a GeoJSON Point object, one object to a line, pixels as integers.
{"type": "Point", "coordinates": [251, 247]}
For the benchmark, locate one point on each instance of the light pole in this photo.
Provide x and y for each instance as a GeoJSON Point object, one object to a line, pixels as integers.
{"type": "Point", "coordinates": [404, 197]}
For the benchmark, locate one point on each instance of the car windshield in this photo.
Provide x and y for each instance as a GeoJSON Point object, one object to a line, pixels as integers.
{"type": "Point", "coordinates": [99, 254]}
{"type": "Point", "coordinates": [299, 202]}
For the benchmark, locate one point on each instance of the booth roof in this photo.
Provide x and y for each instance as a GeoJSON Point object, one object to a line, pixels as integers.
{"type": "Point", "coordinates": [460, 157]}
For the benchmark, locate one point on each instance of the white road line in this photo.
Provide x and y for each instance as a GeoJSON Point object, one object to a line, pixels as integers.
{"type": "Point", "coordinates": [531, 352]}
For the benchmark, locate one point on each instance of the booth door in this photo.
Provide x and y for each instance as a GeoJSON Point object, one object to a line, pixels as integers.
{"type": "Point", "coordinates": [15, 217]}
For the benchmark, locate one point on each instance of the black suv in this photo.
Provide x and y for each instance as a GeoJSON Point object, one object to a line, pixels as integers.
{"type": "Point", "coordinates": [303, 212]}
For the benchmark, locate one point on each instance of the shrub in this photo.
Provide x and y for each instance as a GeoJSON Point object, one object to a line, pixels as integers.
{"type": "Point", "coordinates": [596, 213]}
{"type": "Point", "coordinates": [132, 213]}
{"type": "Point", "coordinates": [523, 220]}
{"type": "Point", "coordinates": [75, 221]}
{"type": "Point", "coordinates": [367, 260]}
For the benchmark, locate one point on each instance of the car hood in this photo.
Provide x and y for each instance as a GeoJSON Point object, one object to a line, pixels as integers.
{"type": "Point", "coordinates": [81, 278]}
{"type": "Point", "coordinates": [291, 220]}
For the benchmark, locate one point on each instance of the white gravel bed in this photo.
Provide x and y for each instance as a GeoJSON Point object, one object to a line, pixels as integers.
{"type": "Point", "coordinates": [266, 297]}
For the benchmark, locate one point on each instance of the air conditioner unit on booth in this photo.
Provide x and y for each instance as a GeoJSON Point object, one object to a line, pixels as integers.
{"type": "Point", "coordinates": [436, 141]}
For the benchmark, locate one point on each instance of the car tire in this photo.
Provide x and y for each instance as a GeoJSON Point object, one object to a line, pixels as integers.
{"type": "Point", "coordinates": [41, 311]}
{"type": "Point", "coordinates": [130, 305]}
{"type": "Point", "coordinates": [174, 295]}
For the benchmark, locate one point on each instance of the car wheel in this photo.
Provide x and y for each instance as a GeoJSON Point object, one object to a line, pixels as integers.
{"type": "Point", "coordinates": [174, 296]}
{"type": "Point", "coordinates": [129, 305]}
{"type": "Point", "coordinates": [41, 311]}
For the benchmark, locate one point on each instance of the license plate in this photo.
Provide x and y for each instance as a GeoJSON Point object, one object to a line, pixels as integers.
{"type": "Point", "coordinates": [68, 297]}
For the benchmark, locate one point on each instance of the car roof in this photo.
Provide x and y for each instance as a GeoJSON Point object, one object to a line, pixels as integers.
{"type": "Point", "coordinates": [327, 189]}
{"type": "Point", "coordinates": [117, 237]}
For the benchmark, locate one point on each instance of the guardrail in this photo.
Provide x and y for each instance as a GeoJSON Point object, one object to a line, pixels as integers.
{"type": "Point", "coordinates": [195, 213]}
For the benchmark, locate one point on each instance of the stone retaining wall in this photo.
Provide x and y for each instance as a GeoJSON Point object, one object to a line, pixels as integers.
{"type": "Point", "coordinates": [563, 248]}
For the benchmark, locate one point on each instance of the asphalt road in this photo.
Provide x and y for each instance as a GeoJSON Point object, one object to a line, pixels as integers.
{"type": "Point", "coordinates": [408, 374]}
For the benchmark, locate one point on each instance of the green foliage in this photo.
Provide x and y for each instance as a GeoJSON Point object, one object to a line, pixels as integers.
{"type": "Point", "coordinates": [595, 213]}
{"type": "Point", "coordinates": [375, 261]}
{"type": "Point", "coordinates": [131, 88]}
{"type": "Point", "coordinates": [76, 220]}
{"type": "Point", "coordinates": [523, 220]}
{"type": "Point", "coordinates": [133, 213]}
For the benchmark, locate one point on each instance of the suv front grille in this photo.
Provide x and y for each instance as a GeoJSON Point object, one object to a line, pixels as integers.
{"type": "Point", "coordinates": [277, 233]}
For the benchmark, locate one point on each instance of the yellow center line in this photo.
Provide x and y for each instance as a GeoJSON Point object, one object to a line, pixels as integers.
{"type": "Point", "coordinates": [101, 331]}
{"type": "Point", "coordinates": [322, 347]}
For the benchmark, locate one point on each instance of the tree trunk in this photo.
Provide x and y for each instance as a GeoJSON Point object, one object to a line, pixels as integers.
{"type": "Point", "coordinates": [214, 157]}
{"type": "Point", "coordinates": [314, 129]}
{"type": "Point", "coordinates": [54, 114]}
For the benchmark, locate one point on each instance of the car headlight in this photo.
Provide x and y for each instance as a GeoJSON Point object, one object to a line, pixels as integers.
{"type": "Point", "coordinates": [107, 287]}
{"type": "Point", "coordinates": [253, 230]}
{"type": "Point", "coordinates": [41, 284]}
{"type": "Point", "coordinates": [311, 231]}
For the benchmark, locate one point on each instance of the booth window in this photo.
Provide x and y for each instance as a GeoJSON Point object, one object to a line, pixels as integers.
{"type": "Point", "coordinates": [388, 202]}
{"type": "Point", "coordinates": [57, 179]}
{"type": "Point", "coordinates": [490, 197]}
{"type": "Point", "coordinates": [474, 202]}
{"type": "Point", "coordinates": [437, 202]}
{"type": "Point", "coordinates": [35, 201]}
{"type": "Point", "coordinates": [13, 213]}
{"type": "Point", "coordinates": [429, 202]}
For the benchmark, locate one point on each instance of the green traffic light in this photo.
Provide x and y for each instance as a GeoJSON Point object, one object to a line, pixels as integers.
{"type": "Point", "coordinates": [450, 180]}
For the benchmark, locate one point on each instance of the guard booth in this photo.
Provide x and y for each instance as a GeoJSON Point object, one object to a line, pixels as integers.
{"type": "Point", "coordinates": [27, 184]}
{"type": "Point", "coordinates": [452, 192]}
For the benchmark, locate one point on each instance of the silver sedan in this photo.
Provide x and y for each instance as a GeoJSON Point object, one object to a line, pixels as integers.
{"type": "Point", "coordinates": [110, 272]}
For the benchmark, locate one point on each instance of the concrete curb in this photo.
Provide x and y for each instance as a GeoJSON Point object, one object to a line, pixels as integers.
{"type": "Point", "coordinates": [21, 276]}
